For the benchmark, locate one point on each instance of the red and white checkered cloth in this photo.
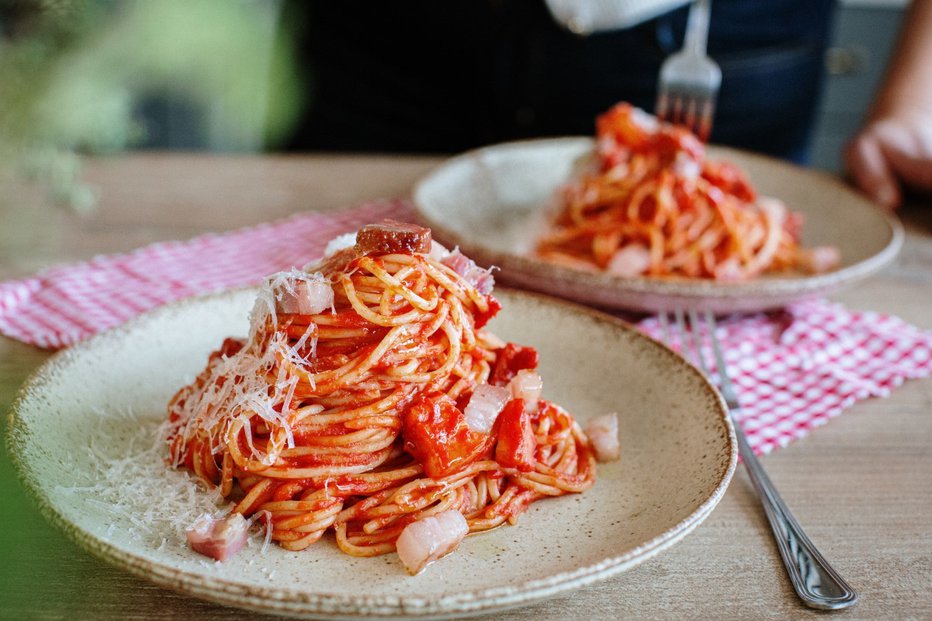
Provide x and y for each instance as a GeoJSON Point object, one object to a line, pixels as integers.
{"type": "Point", "coordinates": [793, 369]}
{"type": "Point", "coordinates": [66, 304]}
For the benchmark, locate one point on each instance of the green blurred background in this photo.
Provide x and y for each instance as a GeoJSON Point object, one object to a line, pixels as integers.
{"type": "Point", "coordinates": [100, 76]}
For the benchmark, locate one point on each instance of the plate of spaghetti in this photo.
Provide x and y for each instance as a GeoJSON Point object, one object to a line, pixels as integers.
{"type": "Point", "coordinates": [378, 434]}
{"type": "Point", "coordinates": [645, 217]}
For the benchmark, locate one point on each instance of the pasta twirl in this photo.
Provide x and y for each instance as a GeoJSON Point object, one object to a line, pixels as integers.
{"type": "Point", "coordinates": [351, 405]}
{"type": "Point", "coordinates": [657, 207]}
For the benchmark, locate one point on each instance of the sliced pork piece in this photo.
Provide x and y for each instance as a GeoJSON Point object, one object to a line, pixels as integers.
{"type": "Point", "coordinates": [219, 538]}
{"type": "Point", "coordinates": [819, 259]}
{"type": "Point", "coordinates": [478, 277]}
{"type": "Point", "coordinates": [391, 237]}
{"type": "Point", "coordinates": [484, 406]}
{"type": "Point", "coordinates": [629, 261]}
{"type": "Point", "coordinates": [430, 538]}
{"type": "Point", "coordinates": [527, 386]}
{"type": "Point", "coordinates": [603, 436]}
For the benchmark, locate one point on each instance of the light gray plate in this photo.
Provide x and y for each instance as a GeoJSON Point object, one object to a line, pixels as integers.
{"type": "Point", "coordinates": [83, 434]}
{"type": "Point", "coordinates": [494, 202]}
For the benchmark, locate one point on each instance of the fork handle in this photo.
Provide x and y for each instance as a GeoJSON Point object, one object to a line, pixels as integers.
{"type": "Point", "coordinates": [815, 581]}
{"type": "Point", "coordinates": [697, 26]}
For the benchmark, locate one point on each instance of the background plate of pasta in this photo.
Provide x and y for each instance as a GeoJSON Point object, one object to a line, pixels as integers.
{"type": "Point", "coordinates": [645, 217]}
{"type": "Point", "coordinates": [379, 435]}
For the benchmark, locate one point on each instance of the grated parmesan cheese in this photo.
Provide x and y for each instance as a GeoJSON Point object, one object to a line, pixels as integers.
{"type": "Point", "coordinates": [125, 483]}
{"type": "Point", "coordinates": [238, 386]}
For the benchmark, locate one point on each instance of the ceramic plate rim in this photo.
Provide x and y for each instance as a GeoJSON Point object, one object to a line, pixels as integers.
{"type": "Point", "coordinates": [331, 605]}
{"type": "Point", "coordinates": [772, 291]}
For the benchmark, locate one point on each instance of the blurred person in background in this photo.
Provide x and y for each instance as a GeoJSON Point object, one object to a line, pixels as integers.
{"type": "Point", "coordinates": [442, 77]}
{"type": "Point", "coordinates": [893, 150]}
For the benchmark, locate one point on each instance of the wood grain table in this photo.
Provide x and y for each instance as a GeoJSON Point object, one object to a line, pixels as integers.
{"type": "Point", "coordinates": [862, 484]}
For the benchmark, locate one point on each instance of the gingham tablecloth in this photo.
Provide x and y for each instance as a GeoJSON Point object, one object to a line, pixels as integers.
{"type": "Point", "coordinates": [793, 369]}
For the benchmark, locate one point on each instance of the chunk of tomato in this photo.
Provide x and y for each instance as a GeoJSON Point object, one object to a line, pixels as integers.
{"type": "Point", "coordinates": [492, 310]}
{"type": "Point", "coordinates": [516, 443]}
{"type": "Point", "coordinates": [436, 434]}
{"type": "Point", "coordinates": [511, 359]}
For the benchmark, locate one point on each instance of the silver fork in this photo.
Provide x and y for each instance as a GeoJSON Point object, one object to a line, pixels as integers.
{"type": "Point", "coordinates": [689, 79]}
{"type": "Point", "coordinates": [814, 580]}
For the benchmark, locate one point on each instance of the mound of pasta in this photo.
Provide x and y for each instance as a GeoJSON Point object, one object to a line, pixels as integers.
{"type": "Point", "coordinates": [658, 207]}
{"type": "Point", "coordinates": [368, 400]}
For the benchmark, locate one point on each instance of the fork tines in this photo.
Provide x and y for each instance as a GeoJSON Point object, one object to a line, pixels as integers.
{"type": "Point", "coordinates": [812, 576]}
{"type": "Point", "coordinates": [689, 80]}
{"type": "Point", "coordinates": [684, 332]}
{"type": "Point", "coordinates": [694, 109]}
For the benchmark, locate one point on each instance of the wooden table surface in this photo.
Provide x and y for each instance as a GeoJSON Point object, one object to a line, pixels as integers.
{"type": "Point", "coordinates": [862, 485]}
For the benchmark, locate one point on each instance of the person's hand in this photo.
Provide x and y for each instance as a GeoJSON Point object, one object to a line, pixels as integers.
{"type": "Point", "coordinates": [891, 152]}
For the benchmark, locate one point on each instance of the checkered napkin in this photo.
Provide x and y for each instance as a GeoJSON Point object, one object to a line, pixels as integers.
{"type": "Point", "coordinates": [66, 304]}
{"type": "Point", "coordinates": [793, 369]}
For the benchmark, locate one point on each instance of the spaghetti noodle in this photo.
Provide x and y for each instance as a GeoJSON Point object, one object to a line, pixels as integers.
{"type": "Point", "coordinates": [658, 207]}
{"type": "Point", "coordinates": [367, 396]}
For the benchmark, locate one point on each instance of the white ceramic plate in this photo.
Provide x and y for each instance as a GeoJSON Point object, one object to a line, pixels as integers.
{"type": "Point", "coordinates": [83, 436]}
{"type": "Point", "coordinates": [493, 204]}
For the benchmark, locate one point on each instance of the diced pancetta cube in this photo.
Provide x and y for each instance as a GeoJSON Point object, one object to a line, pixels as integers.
{"type": "Point", "coordinates": [819, 259]}
{"type": "Point", "coordinates": [430, 538]}
{"type": "Point", "coordinates": [728, 270]}
{"type": "Point", "coordinates": [629, 261]}
{"type": "Point", "coordinates": [478, 277]}
{"type": "Point", "coordinates": [602, 432]}
{"type": "Point", "coordinates": [219, 538]}
{"type": "Point", "coordinates": [686, 167]}
{"type": "Point", "coordinates": [484, 406]}
{"type": "Point", "coordinates": [773, 208]}
{"type": "Point", "coordinates": [527, 385]}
